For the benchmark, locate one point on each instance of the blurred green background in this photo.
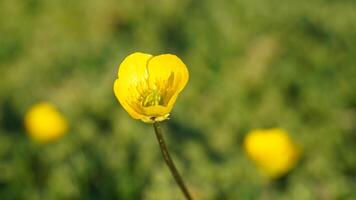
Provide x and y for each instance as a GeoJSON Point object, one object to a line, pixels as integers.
{"type": "Point", "coordinates": [253, 64]}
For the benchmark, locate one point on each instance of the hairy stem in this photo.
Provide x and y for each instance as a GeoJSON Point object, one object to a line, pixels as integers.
{"type": "Point", "coordinates": [167, 158]}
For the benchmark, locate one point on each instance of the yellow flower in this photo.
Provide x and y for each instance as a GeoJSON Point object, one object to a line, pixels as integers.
{"type": "Point", "coordinates": [148, 86]}
{"type": "Point", "coordinates": [45, 123]}
{"type": "Point", "coordinates": [272, 150]}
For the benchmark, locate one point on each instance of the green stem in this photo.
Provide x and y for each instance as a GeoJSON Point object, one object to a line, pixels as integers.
{"type": "Point", "coordinates": [167, 158]}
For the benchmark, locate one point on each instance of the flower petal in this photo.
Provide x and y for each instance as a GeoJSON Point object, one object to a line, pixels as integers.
{"type": "Point", "coordinates": [122, 95]}
{"type": "Point", "coordinates": [134, 68]}
{"type": "Point", "coordinates": [162, 67]}
{"type": "Point", "coordinates": [156, 111]}
{"type": "Point", "coordinates": [132, 71]}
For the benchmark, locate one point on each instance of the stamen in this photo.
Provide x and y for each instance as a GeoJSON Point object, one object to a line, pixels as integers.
{"type": "Point", "coordinates": [159, 93]}
{"type": "Point", "coordinates": [154, 98]}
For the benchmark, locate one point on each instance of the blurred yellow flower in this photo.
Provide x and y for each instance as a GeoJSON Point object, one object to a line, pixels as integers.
{"type": "Point", "coordinates": [147, 86]}
{"type": "Point", "coordinates": [272, 150]}
{"type": "Point", "coordinates": [44, 123]}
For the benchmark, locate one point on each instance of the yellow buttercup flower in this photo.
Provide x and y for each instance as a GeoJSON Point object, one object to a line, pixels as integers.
{"type": "Point", "coordinates": [272, 150]}
{"type": "Point", "coordinates": [148, 86]}
{"type": "Point", "coordinates": [44, 123]}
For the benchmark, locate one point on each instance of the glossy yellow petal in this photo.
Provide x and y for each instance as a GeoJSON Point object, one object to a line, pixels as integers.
{"type": "Point", "coordinates": [166, 67]}
{"type": "Point", "coordinates": [121, 95]}
{"type": "Point", "coordinates": [132, 72]}
{"type": "Point", "coordinates": [155, 111]}
{"type": "Point", "coordinates": [133, 67]}
{"type": "Point", "coordinates": [169, 75]}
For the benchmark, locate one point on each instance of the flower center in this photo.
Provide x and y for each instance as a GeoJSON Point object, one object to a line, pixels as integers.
{"type": "Point", "coordinates": [154, 98]}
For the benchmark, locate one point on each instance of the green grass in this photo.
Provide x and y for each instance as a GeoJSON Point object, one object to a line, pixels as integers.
{"type": "Point", "coordinates": [253, 64]}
